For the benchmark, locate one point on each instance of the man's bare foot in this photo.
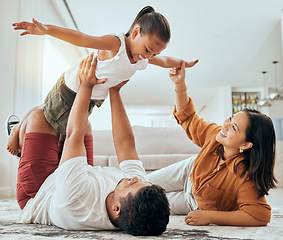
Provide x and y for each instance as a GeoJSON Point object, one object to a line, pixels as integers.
{"type": "Point", "coordinates": [13, 140]}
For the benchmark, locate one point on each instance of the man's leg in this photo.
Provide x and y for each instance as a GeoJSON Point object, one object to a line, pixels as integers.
{"type": "Point", "coordinates": [175, 179]}
{"type": "Point", "coordinates": [13, 145]}
{"type": "Point", "coordinates": [39, 159]}
{"type": "Point", "coordinates": [13, 141]}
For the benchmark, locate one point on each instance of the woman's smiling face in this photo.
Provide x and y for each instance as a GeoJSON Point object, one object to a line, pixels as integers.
{"type": "Point", "coordinates": [233, 132]}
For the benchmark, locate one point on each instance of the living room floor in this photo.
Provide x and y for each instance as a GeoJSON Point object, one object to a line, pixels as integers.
{"type": "Point", "coordinates": [177, 229]}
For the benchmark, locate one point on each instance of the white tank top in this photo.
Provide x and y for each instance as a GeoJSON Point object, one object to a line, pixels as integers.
{"type": "Point", "coordinates": [116, 70]}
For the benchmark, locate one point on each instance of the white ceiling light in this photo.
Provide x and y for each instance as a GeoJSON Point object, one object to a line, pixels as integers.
{"type": "Point", "coordinates": [278, 93]}
{"type": "Point", "coordinates": [264, 102]}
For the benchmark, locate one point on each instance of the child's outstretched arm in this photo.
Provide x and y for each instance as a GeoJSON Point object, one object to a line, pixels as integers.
{"type": "Point", "coordinates": [170, 62]}
{"type": "Point", "coordinates": [106, 42]}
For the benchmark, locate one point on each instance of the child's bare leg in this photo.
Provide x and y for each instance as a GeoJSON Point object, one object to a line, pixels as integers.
{"type": "Point", "coordinates": [14, 143]}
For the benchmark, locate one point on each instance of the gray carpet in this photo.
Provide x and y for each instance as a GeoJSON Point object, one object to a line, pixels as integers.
{"type": "Point", "coordinates": [177, 229]}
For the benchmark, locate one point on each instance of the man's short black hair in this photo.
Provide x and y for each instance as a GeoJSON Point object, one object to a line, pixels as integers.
{"type": "Point", "coordinates": [146, 213]}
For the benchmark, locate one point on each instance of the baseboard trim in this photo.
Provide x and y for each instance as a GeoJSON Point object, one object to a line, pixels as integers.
{"type": "Point", "coordinates": [5, 192]}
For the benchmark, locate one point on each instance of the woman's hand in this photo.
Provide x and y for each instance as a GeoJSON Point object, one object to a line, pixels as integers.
{"type": "Point", "coordinates": [177, 75]}
{"type": "Point", "coordinates": [197, 218]}
{"type": "Point", "coordinates": [87, 72]}
{"type": "Point", "coordinates": [34, 27]}
{"type": "Point", "coordinates": [224, 218]}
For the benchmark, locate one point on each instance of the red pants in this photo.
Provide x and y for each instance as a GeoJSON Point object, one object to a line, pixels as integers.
{"type": "Point", "coordinates": [41, 154]}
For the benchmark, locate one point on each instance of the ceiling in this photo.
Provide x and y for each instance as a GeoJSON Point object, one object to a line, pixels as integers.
{"type": "Point", "coordinates": [234, 41]}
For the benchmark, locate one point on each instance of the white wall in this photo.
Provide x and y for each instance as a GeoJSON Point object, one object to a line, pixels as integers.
{"type": "Point", "coordinates": [219, 107]}
{"type": "Point", "coordinates": [21, 67]}
{"type": "Point", "coordinates": [8, 14]}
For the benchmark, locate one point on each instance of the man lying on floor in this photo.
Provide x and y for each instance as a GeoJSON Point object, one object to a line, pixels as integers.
{"type": "Point", "coordinates": [76, 195]}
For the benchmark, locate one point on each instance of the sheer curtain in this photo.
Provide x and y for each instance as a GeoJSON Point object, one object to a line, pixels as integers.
{"type": "Point", "coordinates": [28, 68]}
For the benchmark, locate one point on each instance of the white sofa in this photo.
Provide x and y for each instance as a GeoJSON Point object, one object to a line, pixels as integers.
{"type": "Point", "coordinates": [157, 147]}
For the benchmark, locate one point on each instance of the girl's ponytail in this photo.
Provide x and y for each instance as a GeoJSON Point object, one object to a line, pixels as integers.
{"type": "Point", "coordinates": [145, 10]}
{"type": "Point", "coordinates": [151, 22]}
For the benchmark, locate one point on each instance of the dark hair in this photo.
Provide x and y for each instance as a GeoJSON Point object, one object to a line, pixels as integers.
{"type": "Point", "coordinates": [260, 159]}
{"type": "Point", "coordinates": [151, 22]}
{"type": "Point", "coordinates": [146, 213]}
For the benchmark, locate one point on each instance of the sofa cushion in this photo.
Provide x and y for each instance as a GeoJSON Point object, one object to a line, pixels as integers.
{"type": "Point", "coordinates": [149, 141]}
{"type": "Point", "coordinates": [100, 160]}
{"type": "Point", "coordinates": [103, 142]}
{"type": "Point", "coordinates": [154, 162]}
{"type": "Point", "coordinates": [158, 140]}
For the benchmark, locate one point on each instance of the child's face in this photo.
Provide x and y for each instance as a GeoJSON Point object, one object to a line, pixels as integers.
{"type": "Point", "coordinates": [145, 46]}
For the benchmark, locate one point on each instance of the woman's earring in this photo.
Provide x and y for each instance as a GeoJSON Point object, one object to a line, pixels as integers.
{"type": "Point", "coordinates": [241, 150]}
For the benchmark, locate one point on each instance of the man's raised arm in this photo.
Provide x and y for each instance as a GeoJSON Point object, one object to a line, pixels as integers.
{"type": "Point", "coordinates": [78, 118]}
{"type": "Point", "coordinates": [123, 136]}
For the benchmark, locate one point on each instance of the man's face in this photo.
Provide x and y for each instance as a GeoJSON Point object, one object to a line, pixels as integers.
{"type": "Point", "coordinates": [129, 185]}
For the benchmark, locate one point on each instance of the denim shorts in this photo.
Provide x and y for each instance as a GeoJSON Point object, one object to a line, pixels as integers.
{"type": "Point", "coordinates": [58, 104]}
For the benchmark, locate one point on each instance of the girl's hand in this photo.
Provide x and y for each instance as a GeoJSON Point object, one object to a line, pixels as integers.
{"type": "Point", "coordinates": [197, 218]}
{"type": "Point", "coordinates": [177, 75]}
{"type": "Point", "coordinates": [190, 64]}
{"type": "Point", "coordinates": [87, 72]}
{"type": "Point", "coordinates": [34, 27]}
